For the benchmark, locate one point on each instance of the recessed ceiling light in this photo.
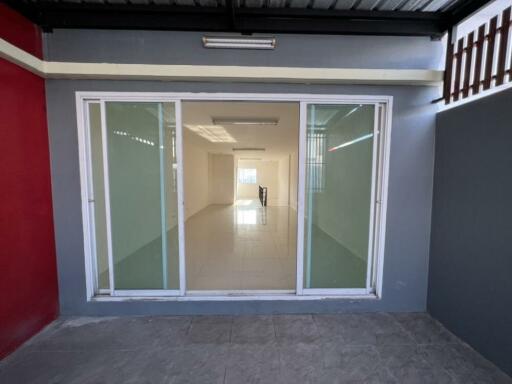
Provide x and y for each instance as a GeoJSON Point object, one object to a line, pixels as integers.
{"type": "Point", "coordinates": [240, 42]}
{"type": "Point", "coordinates": [244, 121]}
{"type": "Point", "coordinates": [212, 133]}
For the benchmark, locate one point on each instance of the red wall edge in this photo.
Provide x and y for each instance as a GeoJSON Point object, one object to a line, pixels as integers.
{"type": "Point", "coordinates": [28, 273]}
{"type": "Point", "coordinates": [20, 32]}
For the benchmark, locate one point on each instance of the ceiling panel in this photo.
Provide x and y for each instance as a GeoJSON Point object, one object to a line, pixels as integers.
{"type": "Point", "coordinates": [345, 4]}
{"type": "Point", "coordinates": [353, 17]}
{"type": "Point", "coordinates": [323, 4]}
{"type": "Point", "coordinates": [435, 5]}
{"type": "Point", "coordinates": [389, 5]}
{"type": "Point", "coordinates": [367, 5]}
{"type": "Point", "coordinates": [364, 5]}
{"type": "Point", "coordinates": [276, 3]}
{"type": "Point", "coordinates": [299, 3]}
{"type": "Point", "coordinates": [414, 5]}
{"type": "Point", "coordinates": [253, 3]}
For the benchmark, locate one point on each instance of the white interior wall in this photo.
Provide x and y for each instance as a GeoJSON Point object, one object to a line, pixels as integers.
{"type": "Point", "coordinates": [294, 179]}
{"type": "Point", "coordinates": [283, 181]}
{"type": "Point", "coordinates": [208, 178]}
{"type": "Point", "coordinates": [221, 179]}
{"type": "Point", "coordinates": [196, 173]}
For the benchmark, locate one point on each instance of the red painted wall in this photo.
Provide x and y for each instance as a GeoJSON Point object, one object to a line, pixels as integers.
{"type": "Point", "coordinates": [28, 274]}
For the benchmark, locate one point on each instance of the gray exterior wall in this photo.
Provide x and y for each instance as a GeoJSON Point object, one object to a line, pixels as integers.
{"type": "Point", "coordinates": [411, 164]}
{"type": "Point", "coordinates": [470, 281]}
{"type": "Point", "coordinates": [157, 47]}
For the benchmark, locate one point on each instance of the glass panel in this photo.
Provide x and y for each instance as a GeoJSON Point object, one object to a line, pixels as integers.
{"type": "Point", "coordinates": [339, 157]}
{"type": "Point", "coordinates": [100, 228]}
{"type": "Point", "coordinates": [143, 194]}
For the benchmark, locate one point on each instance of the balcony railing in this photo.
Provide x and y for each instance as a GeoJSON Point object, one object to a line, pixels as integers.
{"type": "Point", "coordinates": [263, 195]}
{"type": "Point", "coordinates": [479, 61]}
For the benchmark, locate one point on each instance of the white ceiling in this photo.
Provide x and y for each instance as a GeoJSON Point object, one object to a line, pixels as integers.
{"type": "Point", "coordinates": [278, 140]}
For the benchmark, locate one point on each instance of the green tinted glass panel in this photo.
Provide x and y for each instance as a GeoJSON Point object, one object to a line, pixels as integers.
{"type": "Point", "coordinates": [339, 157]}
{"type": "Point", "coordinates": [143, 194]}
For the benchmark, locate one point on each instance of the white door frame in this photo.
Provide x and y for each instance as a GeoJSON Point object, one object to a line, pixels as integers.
{"type": "Point", "coordinates": [383, 108]}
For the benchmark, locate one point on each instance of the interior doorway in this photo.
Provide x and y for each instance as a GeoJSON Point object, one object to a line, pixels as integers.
{"type": "Point", "coordinates": [237, 240]}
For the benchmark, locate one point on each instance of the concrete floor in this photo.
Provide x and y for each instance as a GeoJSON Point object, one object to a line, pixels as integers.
{"type": "Point", "coordinates": [330, 349]}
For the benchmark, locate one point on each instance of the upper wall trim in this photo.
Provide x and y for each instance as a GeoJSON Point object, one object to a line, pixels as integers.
{"type": "Point", "coordinates": [70, 70]}
{"type": "Point", "coordinates": [22, 58]}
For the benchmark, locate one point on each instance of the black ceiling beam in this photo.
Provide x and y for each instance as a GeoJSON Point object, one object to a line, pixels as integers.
{"type": "Point", "coordinates": [462, 9]}
{"type": "Point", "coordinates": [51, 15]}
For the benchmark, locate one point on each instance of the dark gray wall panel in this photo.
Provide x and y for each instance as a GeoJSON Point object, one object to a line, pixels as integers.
{"type": "Point", "coordinates": [409, 207]}
{"type": "Point", "coordinates": [160, 47]}
{"type": "Point", "coordinates": [470, 282]}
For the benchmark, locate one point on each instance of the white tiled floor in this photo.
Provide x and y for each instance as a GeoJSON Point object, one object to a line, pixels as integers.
{"type": "Point", "coordinates": [241, 247]}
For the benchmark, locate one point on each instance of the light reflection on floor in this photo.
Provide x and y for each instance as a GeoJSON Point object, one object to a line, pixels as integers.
{"type": "Point", "coordinates": [241, 247]}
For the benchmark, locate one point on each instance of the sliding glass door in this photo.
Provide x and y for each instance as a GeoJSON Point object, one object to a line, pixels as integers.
{"type": "Point", "coordinates": [133, 202]}
{"type": "Point", "coordinates": [135, 164]}
{"type": "Point", "coordinates": [340, 158]}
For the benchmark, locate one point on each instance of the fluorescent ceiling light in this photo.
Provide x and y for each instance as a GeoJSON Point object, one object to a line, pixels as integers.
{"type": "Point", "coordinates": [244, 121]}
{"type": "Point", "coordinates": [212, 133]}
{"type": "Point", "coordinates": [240, 42]}
{"type": "Point", "coordinates": [248, 149]}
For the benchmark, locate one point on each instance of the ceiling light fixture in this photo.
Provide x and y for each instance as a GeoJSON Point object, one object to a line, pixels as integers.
{"type": "Point", "coordinates": [244, 121]}
{"type": "Point", "coordinates": [212, 133]}
{"type": "Point", "coordinates": [239, 42]}
{"type": "Point", "coordinates": [248, 149]}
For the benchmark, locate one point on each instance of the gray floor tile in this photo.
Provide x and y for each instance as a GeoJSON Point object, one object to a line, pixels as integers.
{"type": "Point", "coordinates": [381, 375]}
{"type": "Point", "coordinates": [397, 356]}
{"type": "Point", "coordinates": [90, 334]}
{"type": "Point", "coordinates": [300, 357]}
{"type": "Point", "coordinates": [295, 329]}
{"type": "Point", "coordinates": [253, 330]}
{"type": "Point", "coordinates": [374, 348]}
{"type": "Point", "coordinates": [49, 367]}
{"type": "Point", "coordinates": [144, 366]}
{"type": "Point", "coordinates": [373, 329]}
{"type": "Point", "coordinates": [339, 376]}
{"type": "Point", "coordinates": [329, 327]}
{"type": "Point", "coordinates": [420, 375]}
{"type": "Point", "coordinates": [356, 363]}
{"type": "Point", "coordinates": [252, 374]}
{"type": "Point", "coordinates": [210, 330]}
{"type": "Point", "coordinates": [407, 364]}
{"type": "Point", "coordinates": [200, 363]}
{"type": "Point", "coordinates": [242, 355]}
{"type": "Point", "coordinates": [449, 357]}
{"type": "Point", "coordinates": [465, 364]}
{"type": "Point", "coordinates": [424, 329]}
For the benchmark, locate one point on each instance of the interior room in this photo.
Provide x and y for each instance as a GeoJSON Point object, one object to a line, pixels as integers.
{"type": "Point", "coordinates": [234, 240]}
